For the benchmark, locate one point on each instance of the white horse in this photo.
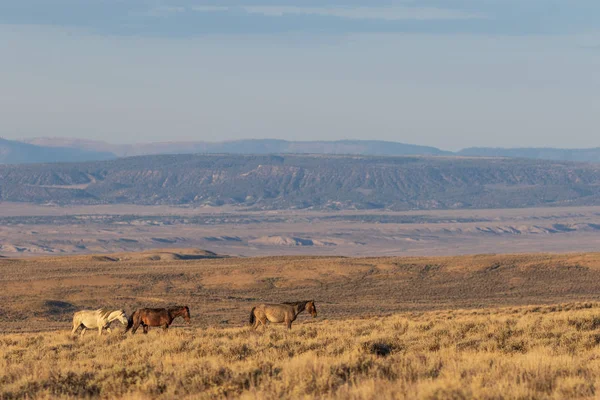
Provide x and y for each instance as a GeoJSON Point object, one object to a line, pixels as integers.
{"type": "Point", "coordinates": [97, 319]}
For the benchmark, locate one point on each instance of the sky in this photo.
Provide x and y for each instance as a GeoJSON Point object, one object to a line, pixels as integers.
{"type": "Point", "coordinates": [444, 73]}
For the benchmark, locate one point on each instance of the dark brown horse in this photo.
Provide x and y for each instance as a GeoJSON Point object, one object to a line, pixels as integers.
{"type": "Point", "coordinates": [278, 313]}
{"type": "Point", "coordinates": [157, 317]}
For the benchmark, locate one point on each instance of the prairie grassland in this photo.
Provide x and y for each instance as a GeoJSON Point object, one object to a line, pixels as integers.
{"type": "Point", "coordinates": [545, 352]}
{"type": "Point", "coordinates": [41, 294]}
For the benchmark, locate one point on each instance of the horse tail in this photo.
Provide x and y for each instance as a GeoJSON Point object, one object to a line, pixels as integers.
{"type": "Point", "coordinates": [76, 321]}
{"type": "Point", "coordinates": [252, 316]}
{"type": "Point", "coordinates": [131, 320]}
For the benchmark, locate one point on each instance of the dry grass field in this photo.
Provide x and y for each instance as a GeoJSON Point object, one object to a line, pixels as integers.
{"type": "Point", "coordinates": [544, 352]}
{"type": "Point", "coordinates": [42, 293]}
{"type": "Point", "coordinates": [388, 327]}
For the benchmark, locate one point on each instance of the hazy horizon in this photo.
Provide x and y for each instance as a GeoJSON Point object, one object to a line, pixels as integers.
{"type": "Point", "coordinates": [448, 74]}
{"type": "Point", "coordinates": [133, 143]}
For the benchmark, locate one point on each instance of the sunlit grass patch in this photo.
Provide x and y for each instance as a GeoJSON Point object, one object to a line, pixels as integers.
{"type": "Point", "coordinates": [525, 352]}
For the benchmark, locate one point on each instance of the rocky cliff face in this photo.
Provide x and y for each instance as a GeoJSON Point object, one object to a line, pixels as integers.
{"type": "Point", "coordinates": [304, 181]}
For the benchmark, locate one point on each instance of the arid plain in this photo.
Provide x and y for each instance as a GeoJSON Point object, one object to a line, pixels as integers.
{"type": "Point", "coordinates": [27, 230]}
{"type": "Point", "coordinates": [41, 293]}
{"type": "Point", "coordinates": [407, 308]}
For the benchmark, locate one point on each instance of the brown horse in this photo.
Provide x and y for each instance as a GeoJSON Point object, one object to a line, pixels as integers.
{"type": "Point", "coordinates": [157, 317]}
{"type": "Point", "coordinates": [278, 313]}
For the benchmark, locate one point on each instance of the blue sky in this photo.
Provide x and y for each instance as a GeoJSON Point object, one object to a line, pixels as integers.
{"type": "Point", "coordinates": [447, 73]}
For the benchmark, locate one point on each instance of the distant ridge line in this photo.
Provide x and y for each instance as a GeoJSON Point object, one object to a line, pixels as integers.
{"type": "Point", "coordinates": [296, 181]}
{"type": "Point", "coordinates": [279, 146]}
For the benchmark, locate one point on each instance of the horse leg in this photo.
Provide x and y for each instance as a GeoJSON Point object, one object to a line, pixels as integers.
{"type": "Point", "coordinates": [135, 326]}
{"type": "Point", "coordinates": [288, 322]}
{"type": "Point", "coordinates": [83, 331]}
{"type": "Point", "coordinates": [256, 322]}
{"type": "Point", "coordinates": [145, 327]}
{"type": "Point", "coordinates": [75, 329]}
{"type": "Point", "coordinates": [263, 321]}
{"type": "Point", "coordinates": [108, 329]}
{"type": "Point", "coordinates": [165, 326]}
{"type": "Point", "coordinates": [100, 331]}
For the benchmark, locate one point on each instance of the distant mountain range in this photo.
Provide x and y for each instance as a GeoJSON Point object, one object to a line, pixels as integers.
{"type": "Point", "coordinates": [249, 146]}
{"type": "Point", "coordinates": [40, 150]}
{"type": "Point", "coordinates": [266, 182]}
{"type": "Point", "coordinates": [537, 153]}
{"type": "Point", "coordinates": [14, 152]}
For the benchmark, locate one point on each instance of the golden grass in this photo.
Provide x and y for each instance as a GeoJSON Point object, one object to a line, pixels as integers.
{"type": "Point", "coordinates": [545, 352]}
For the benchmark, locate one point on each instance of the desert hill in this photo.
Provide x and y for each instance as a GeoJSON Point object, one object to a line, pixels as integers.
{"type": "Point", "coordinates": [224, 288]}
{"type": "Point", "coordinates": [306, 181]}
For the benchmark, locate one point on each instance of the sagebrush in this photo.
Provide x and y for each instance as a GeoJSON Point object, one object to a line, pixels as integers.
{"type": "Point", "coordinates": [546, 352]}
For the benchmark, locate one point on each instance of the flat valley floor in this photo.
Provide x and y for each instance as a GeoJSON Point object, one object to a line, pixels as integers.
{"type": "Point", "coordinates": [30, 230]}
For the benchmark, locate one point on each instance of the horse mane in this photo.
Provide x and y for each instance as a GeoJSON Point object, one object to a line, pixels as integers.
{"type": "Point", "coordinates": [296, 303]}
{"type": "Point", "coordinates": [173, 309]}
{"type": "Point", "coordinates": [104, 312]}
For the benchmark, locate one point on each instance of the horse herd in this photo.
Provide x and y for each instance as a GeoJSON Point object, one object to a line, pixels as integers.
{"type": "Point", "coordinates": [163, 317]}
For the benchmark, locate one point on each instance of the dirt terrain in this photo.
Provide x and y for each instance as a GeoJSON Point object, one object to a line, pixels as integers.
{"type": "Point", "coordinates": [41, 293]}
{"type": "Point", "coordinates": [27, 230]}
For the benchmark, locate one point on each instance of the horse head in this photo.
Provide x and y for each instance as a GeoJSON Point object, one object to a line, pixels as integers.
{"type": "Point", "coordinates": [186, 315]}
{"type": "Point", "coordinates": [122, 317]}
{"type": "Point", "coordinates": [311, 308]}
